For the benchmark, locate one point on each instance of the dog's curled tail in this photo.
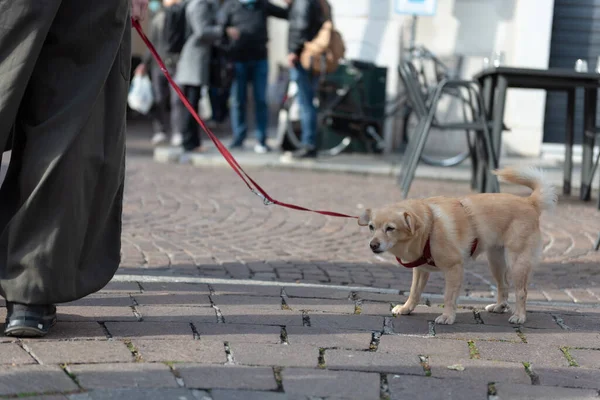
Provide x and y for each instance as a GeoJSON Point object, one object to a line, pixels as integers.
{"type": "Point", "coordinates": [544, 194]}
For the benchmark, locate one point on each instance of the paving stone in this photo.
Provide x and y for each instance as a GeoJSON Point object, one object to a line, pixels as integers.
{"type": "Point", "coordinates": [150, 330]}
{"type": "Point", "coordinates": [75, 331]}
{"type": "Point", "coordinates": [530, 392]}
{"type": "Point", "coordinates": [120, 287]}
{"type": "Point", "coordinates": [245, 314]}
{"type": "Point", "coordinates": [92, 313]}
{"type": "Point", "coordinates": [311, 336]}
{"type": "Point", "coordinates": [410, 326]}
{"type": "Point", "coordinates": [323, 293]}
{"type": "Point", "coordinates": [219, 394]}
{"type": "Point", "coordinates": [34, 379]}
{"type": "Point", "coordinates": [205, 352]}
{"type": "Point", "coordinates": [376, 308]}
{"type": "Point", "coordinates": [258, 302]}
{"type": "Point", "coordinates": [382, 297]}
{"type": "Point", "coordinates": [205, 315]}
{"type": "Point", "coordinates": [174, 298]}
{"type": "Point", "coordinates": [136, 394]}
{"type": "Point", "coordinates": [430, 313]}
{"type": "Point", "coordinates": [477, 332]}
{"type": "Point", "coordinates": [427, 388]}
{"type": "Point", "coordinates": [402, 363]}
{"type": "Point", "coordinates": [535, 320]}
{"type": "Point", "coordinates": [80, 352]}
{"type": "Point", "coordinates": [275, 355]}
{"type": "Point", "coordinates": [249, 290]}
{"type": "Point", "coordinates": [346, 322]}
{"type": "Point", "coordinates": [520, 352]}
{"type": "Point", "coordinates": [324, 383]}
{"type": "Point", "coordinates": [164, 287]}
{"type": "Point", "coordinates": [569, 377]}
{"type": "Point", "coordinates": [479, 370]}
{"type": "Point", "coordinates": [11, 353]}
{"type": "Point", "coordinates": [240, 333]}
{"type": "Point", "coordinates": [423, 346]}
{"type": "Point", "coordinates": [321, 305]}
{"type": "Point", "coordinates": [129, 375]}
{"type": "Point", "coordinates": [586, 358]}
{"type": "Point", "coordinates": [582, 323]}
{"type": "Point", "coordinates": [589, 340]}
{"type": "Point", "coordinates": [227, 377]}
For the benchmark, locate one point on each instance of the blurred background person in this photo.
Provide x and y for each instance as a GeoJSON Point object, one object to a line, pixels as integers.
{"type": "Point", "coordinates": [248, 51]}
{"type": "Point", "coordinates": [193, 68]}
{"type": "Point", "coordinates": [165, 113]}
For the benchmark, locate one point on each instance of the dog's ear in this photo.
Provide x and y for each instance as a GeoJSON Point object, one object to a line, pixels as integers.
{"type": "Point", "coordinates": [365, 217]}
{"type": "Point", "coordinates": [413, 223]}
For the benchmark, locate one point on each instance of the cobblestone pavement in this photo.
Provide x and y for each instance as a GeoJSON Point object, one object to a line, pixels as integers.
{"type": "Point", "coordinates": [142, 340]}
{"type": "Point", "coordinates": [185, 220]}
{"type": "Point", "coordinates": [229, 342]}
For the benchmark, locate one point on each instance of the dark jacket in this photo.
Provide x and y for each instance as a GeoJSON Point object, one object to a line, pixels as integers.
{"type": "Point", "coordinates": [306, 18]}
{"type": "Point", "coordinates": [251, 20]}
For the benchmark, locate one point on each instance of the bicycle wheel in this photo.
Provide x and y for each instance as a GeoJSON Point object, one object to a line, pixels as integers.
{"type": "Point", "coordinates": [438, 150]}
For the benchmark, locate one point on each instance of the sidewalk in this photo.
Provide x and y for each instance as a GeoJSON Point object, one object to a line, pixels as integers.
{"type": "Point", "coordinates": [219, 297]}
{"type": "Point", "coordinates": [138, 340]}
{"type": "Point", "coordinates": [364, 164]}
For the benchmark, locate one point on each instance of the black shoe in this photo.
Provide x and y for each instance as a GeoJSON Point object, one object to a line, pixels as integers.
{"type": "Point", "coordinates": [304, 154]}
{"type": "Point", "coordinates": [29, 321]}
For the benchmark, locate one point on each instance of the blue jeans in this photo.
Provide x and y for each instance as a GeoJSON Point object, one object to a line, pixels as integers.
{"type": "Point", "coordinates": [307, 85]}
{"type": "Point", "coordinates": [257, 73]}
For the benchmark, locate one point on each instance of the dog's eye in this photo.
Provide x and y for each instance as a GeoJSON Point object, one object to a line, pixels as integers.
{"type": "Point", "coordinates": [371, 228]}
{"type": "Point", "coordinates": [390, 229]}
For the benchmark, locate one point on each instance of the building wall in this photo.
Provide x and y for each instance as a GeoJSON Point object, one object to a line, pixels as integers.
{"type": "Point", "coordinates": [475, 28]}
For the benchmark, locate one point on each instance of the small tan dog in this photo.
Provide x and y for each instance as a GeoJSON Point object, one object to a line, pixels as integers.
{"type": "Point", "coordinates": [443, 233]}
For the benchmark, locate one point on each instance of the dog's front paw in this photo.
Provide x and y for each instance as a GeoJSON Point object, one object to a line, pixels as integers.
{"type": "Point", "coordinates": [445, 319]}
{"type": "Point", "coordinates": [517, 319]}
{"type": "Point", "coordinates": [402, 310]}
{"type": "Point", "coordinates": [497, 308]}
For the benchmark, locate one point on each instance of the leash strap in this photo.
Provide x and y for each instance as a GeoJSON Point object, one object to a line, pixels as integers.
{"type": "Point", "coordinates": [250, 183]}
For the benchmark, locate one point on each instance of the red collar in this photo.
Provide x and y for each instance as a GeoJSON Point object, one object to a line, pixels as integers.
{"type": "Point", "coordinates": [426, 258]}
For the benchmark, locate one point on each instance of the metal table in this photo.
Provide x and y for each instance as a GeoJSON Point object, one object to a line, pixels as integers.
{"type": "Point", "coordinates": [496, 81]}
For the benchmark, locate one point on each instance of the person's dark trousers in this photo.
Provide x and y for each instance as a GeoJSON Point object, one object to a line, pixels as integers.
{"type": "Point", "coordinates": [218, 102]}
{"type": "Point", "coordinates": [189, 126]}
{"type": "Point", "coordinates": [257, 73]}
{"type": "Point", "coordinates": [307, 84]}
{"type": "Point", "coordinates": [65, 68]}
{"type": "Point", "coordinates": [165, 97]}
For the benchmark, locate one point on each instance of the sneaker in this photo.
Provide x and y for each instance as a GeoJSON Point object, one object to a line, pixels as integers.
{"type": "Point", "coordinates": [29, 321]}
{"type": "Point", "coordinates": [304, 154]}
{"type": "Point", "coordinates": [177, 139]}
{"type": "Point", "coordinates": [261, 148]}
{"type": "Point", "coordinates": [159, 138]}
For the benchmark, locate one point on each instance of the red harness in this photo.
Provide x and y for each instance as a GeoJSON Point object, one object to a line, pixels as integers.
{"type": "Point", "coordinates": [426, 258]}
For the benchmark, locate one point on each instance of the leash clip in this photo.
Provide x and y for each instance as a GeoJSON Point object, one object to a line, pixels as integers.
{"type": "Point", "coordinates": [266, 201]}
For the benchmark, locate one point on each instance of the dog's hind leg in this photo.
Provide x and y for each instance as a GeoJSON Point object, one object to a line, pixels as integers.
{"type": "Point", "coordinates": [521, 264]}
{"type": "Point", "coordinates": [419, 281]}
{"type": "Point", "coordinates": [497, 260]}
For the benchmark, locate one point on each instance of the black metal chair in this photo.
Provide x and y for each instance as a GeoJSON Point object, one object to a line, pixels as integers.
{"type": "Point", "coordinates": [483, 157]}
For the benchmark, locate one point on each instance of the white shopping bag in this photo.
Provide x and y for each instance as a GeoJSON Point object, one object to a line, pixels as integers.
{"type": "Point", "coordinates": [140, 97]}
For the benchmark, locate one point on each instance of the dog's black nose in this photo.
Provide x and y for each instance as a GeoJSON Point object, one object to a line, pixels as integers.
{"type": "Point", "coordinates": [374, 246]}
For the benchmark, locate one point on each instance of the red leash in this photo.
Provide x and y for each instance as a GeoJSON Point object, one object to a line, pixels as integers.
{"type": "Point", "coordinates": [252, 185]}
